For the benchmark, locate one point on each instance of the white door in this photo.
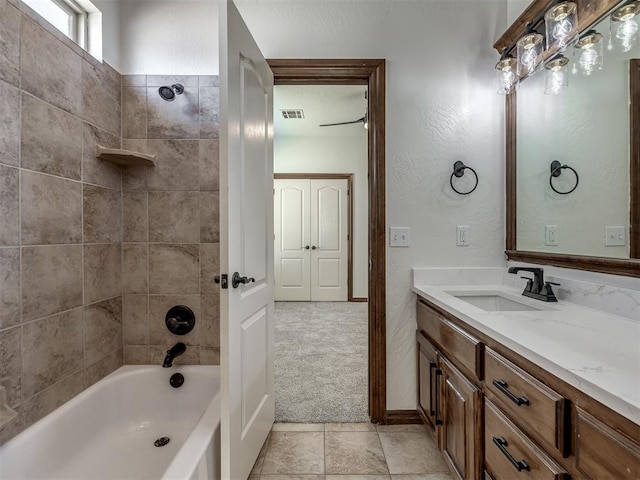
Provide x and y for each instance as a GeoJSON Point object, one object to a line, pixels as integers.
{"type": "Point", "coordinates": [292, 239]}
{"type": "Point", "coordinates": [311, 239]}
{"type": "Point", "coordinates": [246, 245]}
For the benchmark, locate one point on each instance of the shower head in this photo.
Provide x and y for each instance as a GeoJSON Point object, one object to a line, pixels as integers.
{"type": "Point", "coordinates": [169, 93]}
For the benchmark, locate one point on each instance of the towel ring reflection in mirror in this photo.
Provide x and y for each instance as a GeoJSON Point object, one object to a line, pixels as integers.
{"type": "Point", "coordinates": [458, 171]}
{"type": "Point", "coordinates": [556, 171]}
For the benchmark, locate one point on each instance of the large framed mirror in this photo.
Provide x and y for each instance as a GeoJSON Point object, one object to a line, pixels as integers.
{"type": "Point", "coordinates": [573, 163]}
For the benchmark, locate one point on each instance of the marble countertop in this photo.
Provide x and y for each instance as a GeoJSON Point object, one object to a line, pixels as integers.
{"type": "Point", "coordinates": [598, 353]}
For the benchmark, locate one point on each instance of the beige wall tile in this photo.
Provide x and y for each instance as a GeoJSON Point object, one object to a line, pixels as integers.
{"type": "Point", "coordinates": [209, 112]}
{"type": "Point", "coordinates": [210, 320]}
{"type": "Point", "coordinates": [94, 170]}
{"type": "Point", "coordinates": [134, 112]}
{"type": "Point", "coordinates": [102, 272]}
{"type": "Point", "coordinates": [135, 259]}
{"type": "Point", "coordinates": [135, 319]}
{"type": "Point", "coordinates": [12, 428]}
{"type": "Point", "coordinates": [135, 216]}
{"type": "Point", "coordinates": [209, 217]}
{"type": "Point", "coordinates": [209, 267]}
{"type": "Point", "coordinates": [176, 166]}
{"type": "Point", "coordinates": [136, 354]}
{"type": "Point", "coordinates": [51, 398]}
{"type": "Point", "coordinates": [103, 367]}
{"type": "Point", "coordinates": [51, 280]}
{"type": "Point", "coordinates": [209, 157]}
{"type": "Point", "coordinates": [50, 70]}
{"type": "Point", "coordinates": [190, 357]}
{"type": "Point", "coordinates": [11, 365]}
{"type": "Point", "coordinates": [159, 305]}
{"type": "Point", "coordinates": [51, 210]}
{"type": "Point", "coordinates": [209, 80]}
{"type": "Point", "coordinates": [9, 206]}
{"type": "Point", "coordinates": [160, 80]}
{"type": "Point", "coordinates": [52, 349]}
{"type": "Point", "coordinates": [51, 139]}
{"type": "Point", "coordinates": [9, 43]}
{"type": "Point", "coordinates": [9, 123]}
{"type": "Point", "coordinates": [209, 356]}
{"type": "Point", "coordinates": [174, 269]}
{"type": "Point", "coordinates": [177, 119]}
{"type": "Point", "coordinates": [9, 287]}
{"type": "Point", "coordinates": [102, 215]}
{"type": "Point", "coordinates": [102, 329]}
{"type": "Point", "coordinates": [173, 217]}
{"type": "Point", "coordinates": [134, 80]}
{"type": "Point", "coordinates": [101, 97]}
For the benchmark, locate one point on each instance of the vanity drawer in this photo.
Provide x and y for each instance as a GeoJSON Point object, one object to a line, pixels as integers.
{"type": "Point", "coordinates": [531, 404]}
{"type": "Point", "coordinates": [602, 452]}
{"type": "Point", "coordinates": [458, 344]}
{"type": "Point", "coordinates": [508, 449]}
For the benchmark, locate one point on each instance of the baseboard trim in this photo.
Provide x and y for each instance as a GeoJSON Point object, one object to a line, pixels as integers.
{"type": "Point", "coordinates": [358, 299]}
{"type": "Point", "coordinates": [402, 417]}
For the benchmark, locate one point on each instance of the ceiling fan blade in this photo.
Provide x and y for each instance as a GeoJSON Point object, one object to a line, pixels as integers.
{"type": "Point", "coordinates": [360, 120]}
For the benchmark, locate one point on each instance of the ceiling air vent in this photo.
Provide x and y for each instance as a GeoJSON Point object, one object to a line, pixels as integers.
{"type": "Point", "coordinates": [292, 113]}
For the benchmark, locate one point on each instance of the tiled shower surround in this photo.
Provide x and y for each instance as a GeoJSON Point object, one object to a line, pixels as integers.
{"type": "Point", "coordinates": [170, 217]}
{"type": "Point", "coordinates": [75, 301]}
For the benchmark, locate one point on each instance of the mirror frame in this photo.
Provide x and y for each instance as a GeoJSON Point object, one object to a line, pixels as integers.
{"type": "Point", "coordinates": [615, 266]}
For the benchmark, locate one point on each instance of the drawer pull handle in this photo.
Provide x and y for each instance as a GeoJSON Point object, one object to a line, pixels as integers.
{"type": "Point", "coordinates": [502, 444]}
{"type": "Point", "coordinates": [504, 388]}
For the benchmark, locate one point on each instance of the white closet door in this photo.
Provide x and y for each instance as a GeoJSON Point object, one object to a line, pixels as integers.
{"type": "Point", "coordinates": [292, 239]}
{"type": "Point", "coordinates": [329, 234]}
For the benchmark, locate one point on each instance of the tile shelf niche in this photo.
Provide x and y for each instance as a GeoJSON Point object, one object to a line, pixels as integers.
{"type": "Point", "coordinates": [124, 158]}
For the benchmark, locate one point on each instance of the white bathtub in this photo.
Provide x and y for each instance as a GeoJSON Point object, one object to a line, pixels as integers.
{"type": "Point", "coordinates": [108, 431]}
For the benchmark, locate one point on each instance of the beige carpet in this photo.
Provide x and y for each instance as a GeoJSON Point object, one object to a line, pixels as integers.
{"type": "Point", "coordinates": [321, 362]}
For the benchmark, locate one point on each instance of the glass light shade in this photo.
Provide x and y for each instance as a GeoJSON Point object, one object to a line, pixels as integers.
{"type": "Point", "coordinates": [561, 24]}
{"type": "Point", "coordinates": [556, 77]}
{"type": "Point", "coordinates": [529, 49]}
{"type": "Point", "coordinates": [588, 53]}
{"type": "Point", "coordinates": [624, 32]}
{"type": "Point", "coordinates": [507, 77]}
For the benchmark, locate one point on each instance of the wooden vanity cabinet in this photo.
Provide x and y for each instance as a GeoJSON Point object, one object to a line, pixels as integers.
{"type": "Point", "coordinates": [427, 381]}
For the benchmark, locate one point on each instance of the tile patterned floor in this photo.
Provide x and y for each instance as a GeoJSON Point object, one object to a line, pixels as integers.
{"type": "Point", "coordinates": [349, 451]}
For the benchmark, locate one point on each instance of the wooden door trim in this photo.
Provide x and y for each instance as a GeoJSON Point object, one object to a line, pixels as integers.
{"type": "Point", "coordinates": [333, 176]}
{"type": "Point", "coordinates": [370, 72]}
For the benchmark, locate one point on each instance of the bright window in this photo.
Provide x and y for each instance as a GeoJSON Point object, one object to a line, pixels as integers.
{"type": "Point", "coordinates": [66, 15]}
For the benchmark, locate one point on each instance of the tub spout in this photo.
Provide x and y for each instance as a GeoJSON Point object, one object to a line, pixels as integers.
{"type": "Point", "coordinates": [175, 351]}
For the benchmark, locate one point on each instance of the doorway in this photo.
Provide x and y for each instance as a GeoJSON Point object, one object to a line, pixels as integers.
{"type": "Point", "coordinates": [369, 72]}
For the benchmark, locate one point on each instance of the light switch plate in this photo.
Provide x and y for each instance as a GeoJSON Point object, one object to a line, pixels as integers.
{"type": "Point", "coordinates": [398, 236]}
{"type": "Point", "coordinates": [615, 237]}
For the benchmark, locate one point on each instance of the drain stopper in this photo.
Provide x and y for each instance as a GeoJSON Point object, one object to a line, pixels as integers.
{"type": "Point", "coordinates": [162, 441]}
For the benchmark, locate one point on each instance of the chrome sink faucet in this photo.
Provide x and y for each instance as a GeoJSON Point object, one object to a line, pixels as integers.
{"type": "Point", "coordinates": [536, 287]}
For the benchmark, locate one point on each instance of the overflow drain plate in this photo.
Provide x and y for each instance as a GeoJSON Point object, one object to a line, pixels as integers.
{"type": "Point", "coordinates": [162, 441]}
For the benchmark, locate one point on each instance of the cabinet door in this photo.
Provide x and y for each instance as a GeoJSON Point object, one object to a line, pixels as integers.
{"type": "Point", "coordinates": [460, 435]}
{"type": "Point", "coordinates": [427, 380]}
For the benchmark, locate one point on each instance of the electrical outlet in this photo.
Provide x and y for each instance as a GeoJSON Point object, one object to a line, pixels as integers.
{"type": "Point", "coordinates": [615, 237]}
{"type": "Point", "coordinates": [462, 236]}
{"type": "Point", "coordinates": [551, 235]}
{"type": "Point", "coordinates": [398, 236]}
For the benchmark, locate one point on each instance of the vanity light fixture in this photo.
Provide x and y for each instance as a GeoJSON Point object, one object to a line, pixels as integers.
{"type": "Point", "coordinates": [561, 24]}
{"type": "Point", "coordinates": [556, 78]}
{"type": "Point", "coordinates": [529, 49]}
{"type": "Point", "coordinates": [588, 54]}
{"type": "Point", "coordinates": [507, 77]}
{"type": "Point", "coordinates": [623, 32]}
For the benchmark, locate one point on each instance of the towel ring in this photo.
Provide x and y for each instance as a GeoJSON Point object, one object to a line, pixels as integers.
{"type": "Point", "coordinates": [556, 171]}
{"type": "Point", "coordinates": [458, 171]}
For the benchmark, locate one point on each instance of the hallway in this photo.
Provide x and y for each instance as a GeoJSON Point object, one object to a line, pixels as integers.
{"type": "Point", "coordinates": [321, 362]}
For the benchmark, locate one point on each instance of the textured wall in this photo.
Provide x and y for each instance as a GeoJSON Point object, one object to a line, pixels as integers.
{"type": "Point", "coordinates": [60, 218]}
{"type": "Point", "coordinates": [586, 127]}
{"type": "Point", "coordinates": [334, 155]}
{"type": "Point", "coordinates": [170, 217]}
{"type": "Point", "coordinates": [441, 107]}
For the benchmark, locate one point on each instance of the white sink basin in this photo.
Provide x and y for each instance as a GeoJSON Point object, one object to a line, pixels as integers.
{"type": "Point", "coordinates": [496, 302]}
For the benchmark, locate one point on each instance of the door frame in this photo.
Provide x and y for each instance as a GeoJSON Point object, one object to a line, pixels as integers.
{"type": "Point", "coordinates": [334, 176]}
{"type": "Point", "coordinates": [370, 72]}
